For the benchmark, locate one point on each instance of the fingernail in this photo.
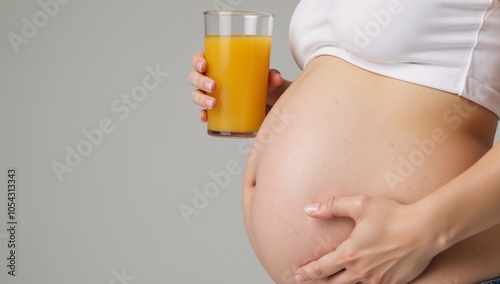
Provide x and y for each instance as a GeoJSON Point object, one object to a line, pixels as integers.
{"type": "Point", "coordinates": [209, 103]}
{"type": "Point", "coordinates": [299, 278]}
{"type": "Point", "coordinates": [311, 208]}
{"type": "Point", "coordinates": [208, 85]}
{"type": "Point", "coordinates": [199, 65]}
{"type": "Point", "coordinates": [276, 71]}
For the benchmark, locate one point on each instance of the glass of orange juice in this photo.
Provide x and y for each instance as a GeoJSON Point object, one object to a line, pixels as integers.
{"type": "Point", "coordinates": [237, 50]}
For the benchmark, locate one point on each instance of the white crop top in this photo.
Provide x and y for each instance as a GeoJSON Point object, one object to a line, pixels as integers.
{"type": "Point", "coordinates": [450, 45]}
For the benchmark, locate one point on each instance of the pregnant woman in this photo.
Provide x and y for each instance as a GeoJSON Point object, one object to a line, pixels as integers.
{"type": "Point", "coordinates": [388, 133]}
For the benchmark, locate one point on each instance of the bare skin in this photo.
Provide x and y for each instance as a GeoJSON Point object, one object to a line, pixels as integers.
{"type": "Point", "coordinates": [339, 130]}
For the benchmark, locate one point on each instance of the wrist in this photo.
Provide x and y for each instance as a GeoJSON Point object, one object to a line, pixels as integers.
{"type": "Point", "coordinates": [439, 231]}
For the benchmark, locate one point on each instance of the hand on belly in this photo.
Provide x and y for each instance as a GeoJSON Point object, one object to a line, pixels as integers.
{"type": "Point", "coordinates": [384, 246]}
{"type": "Point", "coordinates": [340, 140]}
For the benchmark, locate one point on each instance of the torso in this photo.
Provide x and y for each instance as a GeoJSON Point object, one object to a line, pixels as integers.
{"type": "Point", "coordinates": [340, 130]}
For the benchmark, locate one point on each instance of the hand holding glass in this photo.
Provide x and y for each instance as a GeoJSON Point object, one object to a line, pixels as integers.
{"type": "Point", "coordinates": [237, 50]}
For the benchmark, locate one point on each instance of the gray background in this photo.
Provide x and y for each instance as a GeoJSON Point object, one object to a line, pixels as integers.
{"type": "Point", "coordinates": [115, 217]}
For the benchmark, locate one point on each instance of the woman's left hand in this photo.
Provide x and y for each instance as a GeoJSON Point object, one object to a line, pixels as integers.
{"type": "Point", "coordinates": [390, 243]}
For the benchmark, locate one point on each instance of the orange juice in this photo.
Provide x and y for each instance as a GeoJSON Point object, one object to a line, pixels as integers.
{"type": "Point", "coordinates": [239, 65]}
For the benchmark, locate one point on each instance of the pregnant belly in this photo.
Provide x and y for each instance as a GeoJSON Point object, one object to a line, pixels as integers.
{"type": "Point", "coordinates": [329, 135]}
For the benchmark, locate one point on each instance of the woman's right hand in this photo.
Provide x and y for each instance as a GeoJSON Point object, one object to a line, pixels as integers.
{"type": "Point", "coordinates": [205, 85]}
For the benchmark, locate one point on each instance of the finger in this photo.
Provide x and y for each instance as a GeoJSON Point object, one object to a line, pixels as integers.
{"type": "Point", "coordinates": [324, 267]}
{"type": "Point", "coordinates": [274, 87]}
{"type": "Point", "coordinates": [198, 61]}
{"type": "Point", "coordinates": [203, 115]}
{"type": "Point", "coordinates": [351, 207]}
{"type": "Point", "coordinates": [201, 82]}
{"type": "Point", "coordinates": [200, 98]}
{"type": "Point", "coordinates": [275, 78]}
{"type": "Point", "coordinates": [344, 277]}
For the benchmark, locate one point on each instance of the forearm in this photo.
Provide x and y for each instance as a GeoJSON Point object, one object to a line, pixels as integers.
{"type": "Point", "coordinates": [467, 205]}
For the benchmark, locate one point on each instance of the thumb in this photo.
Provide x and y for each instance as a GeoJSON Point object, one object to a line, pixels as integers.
{"type": "Point", "coordinates": [275, 79]}
{"type": "Point", "coordinates": [274, 87]}
{"type": "Point", "coordinates": [351, 207]}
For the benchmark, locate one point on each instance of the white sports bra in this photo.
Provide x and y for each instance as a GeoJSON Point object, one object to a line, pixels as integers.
{"type": "Point", "coordinates": [450, 45]}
